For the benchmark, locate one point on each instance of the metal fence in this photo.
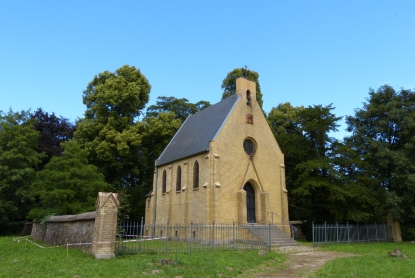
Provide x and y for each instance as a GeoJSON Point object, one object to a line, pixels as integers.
{"type": "Point", "coordinates": [348, 233]}
{"type": "Point", "coordinates": [134, 237]}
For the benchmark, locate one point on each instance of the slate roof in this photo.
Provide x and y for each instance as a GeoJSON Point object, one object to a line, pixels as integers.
{"type": "Point", "coordinates": [197, 131]}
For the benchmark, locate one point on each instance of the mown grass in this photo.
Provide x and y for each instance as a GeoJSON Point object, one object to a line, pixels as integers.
{"type": "Point", "coordinates": [159, 246]}
{"type": "Point", "coordinates": [19, 259]}
{"type": "Point", "coordinates": [369, 260]}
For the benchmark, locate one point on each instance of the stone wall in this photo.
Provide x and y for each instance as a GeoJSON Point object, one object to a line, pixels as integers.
{"type": "Point", "coordinates": [60, 230]}
{"type": "Point", "coordinates": [96, 229]}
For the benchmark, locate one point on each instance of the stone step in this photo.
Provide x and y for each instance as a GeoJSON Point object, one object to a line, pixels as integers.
{"type": "Point", "coordinates": [278, 237]}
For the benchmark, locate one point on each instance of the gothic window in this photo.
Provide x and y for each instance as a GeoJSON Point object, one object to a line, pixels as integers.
{"type": "Point", "coordinates": [164, 182]}
{"type": "Point", "coordinates": [179, 179]}
{"type": "Point", "coordinates": [196, 175]}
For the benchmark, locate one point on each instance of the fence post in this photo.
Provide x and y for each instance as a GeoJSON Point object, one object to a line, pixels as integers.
{"type": "Point", "coordinates": [252, 236]}
{"type": "Point", "coordinates": [233, 235]}
{"type": "Point", "coordinates": [141, 235]}
{"type": "Point", "coordinates": [191, 236]}
{"type": "Point", "coordinates": [325, 233]}
{"type": "Point", "coordinates": [348, 235]}
{"type": "Point", "coordinates": [313, 232]}
{"type": "Point", "coordinates": [337, 231]}
{"type": "Point", "coordinates": [376, 228]}
{"type": "Point", "coordinates": [167, 236]}
{"type": "Point", "coordinates": [292, 232]}
{"type": "Point", "coordinates": [384, 227]}
{"type": "Point", "coordinates": [269, 236]}
{"type": "Point", "coordinates": [358, 234]}
{"type": "Point", "coordinates": [367, 232]}
{"type": "Point", "coordinates": [213, 235]}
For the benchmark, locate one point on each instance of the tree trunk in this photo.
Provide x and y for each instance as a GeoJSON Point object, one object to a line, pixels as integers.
{"type": "Point", "coordinates": [396, 228]}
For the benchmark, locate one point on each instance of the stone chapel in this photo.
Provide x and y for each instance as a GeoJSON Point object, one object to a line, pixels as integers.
{"type": "Point", "coordinates": [222, 165]}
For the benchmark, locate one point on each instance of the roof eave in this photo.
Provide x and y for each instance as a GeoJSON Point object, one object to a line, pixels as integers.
{"type": "Point", "coordinates": [182, 158]}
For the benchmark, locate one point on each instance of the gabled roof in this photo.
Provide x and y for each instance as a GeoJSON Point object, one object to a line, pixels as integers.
{"type": "Point", "coordinates": [197, 131]}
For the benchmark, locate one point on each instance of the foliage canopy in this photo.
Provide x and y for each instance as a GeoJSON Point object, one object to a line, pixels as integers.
{"type": "Point", "coordinates": [53, 131]}
{"type": "Point", "coordinates": [18, 160]}
{"type": "Point", "coordinates": [383, 132]}
{"type": "Point", "coordinates": [67, 184]}
{"type": "Point", "coordinates": [110, 133]}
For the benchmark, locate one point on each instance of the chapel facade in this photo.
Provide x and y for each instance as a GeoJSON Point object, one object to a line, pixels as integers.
{"type": "Point", "coordinates": [223, 165]}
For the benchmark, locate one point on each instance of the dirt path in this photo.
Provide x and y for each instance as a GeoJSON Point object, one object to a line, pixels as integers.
{"type": "Point", "coordinates": [301, 262]}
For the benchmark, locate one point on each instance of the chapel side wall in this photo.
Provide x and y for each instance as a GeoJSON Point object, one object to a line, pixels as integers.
{"type": "Point", "coordinates": [264, 169]}
{"type": "Point", "coordinates": [182, 206]}
{"type": "Point", "coordinates": [150, 201]}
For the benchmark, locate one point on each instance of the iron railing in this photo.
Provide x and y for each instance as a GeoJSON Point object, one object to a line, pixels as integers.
{"type": "Point", "coordinates": [134, 237]}
{"type": "Point", "coordinates": [284, 223]}
{"type": "Point", "coordinates": [348, 233]}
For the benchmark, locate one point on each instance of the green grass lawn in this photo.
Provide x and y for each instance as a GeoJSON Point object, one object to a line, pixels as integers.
{"type": "Point", "coordinates": [26, 260]}
{"type": "Point", "coordinates": [370, 260]}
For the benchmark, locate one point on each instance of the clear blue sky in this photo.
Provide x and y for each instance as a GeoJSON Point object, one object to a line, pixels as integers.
{"type": "Point", "coordinates": [306, 52]}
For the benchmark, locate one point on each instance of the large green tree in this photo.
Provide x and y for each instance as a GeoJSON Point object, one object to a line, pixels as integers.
{"type": "Point", "coordinates": [318, 189]}
{"type": "Point", "coordinates": [18, 160]}
{"type": "Point", "coordinates": [383, 132]}
{"type": "Point", "coordinates": [109, 133]}
{"type": "Point", "coordinates": [68, 184]}
{"type": "Point", "coordinates": [156, 133]}
{"type": "Point", "coordinates": [229, 83]}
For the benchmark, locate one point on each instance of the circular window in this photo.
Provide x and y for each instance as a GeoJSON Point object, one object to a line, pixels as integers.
{"type": "Point", "coordinates": [249, 146]}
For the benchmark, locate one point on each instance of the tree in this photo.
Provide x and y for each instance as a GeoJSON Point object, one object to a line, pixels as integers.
{"type": "Point", "coordinates": [383, 132]}
{"type": "Point", "coordinates": [284, 123]}
{"type": "Point", "coordinates": [18, 159]}
{"type": "Point", "coordinates": [122, 94]}
{"type": "Point", "coordinates": [229, 83]}
{"type": "Point", "coordinates": [156, 133]}
{"type": "Point", "coordinates": [67, 184]}
{"type": "Point", "coordinates": [110, 132]}
{"type": "Point", "coordinates": [53, 131]}
{"type": "Point", "coordinates": [318, 189]}
{"type": "Point", "coordinates": [181, 107]}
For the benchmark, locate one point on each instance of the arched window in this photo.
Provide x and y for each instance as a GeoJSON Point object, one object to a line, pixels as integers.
{"type": "Point", "coordinates": [248, 97]}
{"type": "Point", "coordinates": [179, 179]}
{"type": "Point", "coordinates": [163, 182]}
{"type": "Point", "coordinates": [196, 175]}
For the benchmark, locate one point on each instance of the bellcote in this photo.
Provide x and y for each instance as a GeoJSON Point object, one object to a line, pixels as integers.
{"type": "Point", "coordinates": [247, 90]}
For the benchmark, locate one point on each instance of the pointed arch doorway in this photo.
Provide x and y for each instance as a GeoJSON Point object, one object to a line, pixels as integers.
{"type": "Point", "coordinates": [250, 203]}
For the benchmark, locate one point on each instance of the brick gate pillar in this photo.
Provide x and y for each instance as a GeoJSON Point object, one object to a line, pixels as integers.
{"type": "Point", "coordinates": [103, 243]}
